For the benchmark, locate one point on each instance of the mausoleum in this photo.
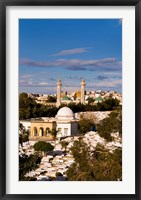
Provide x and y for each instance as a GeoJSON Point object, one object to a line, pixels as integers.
{"type": "Point", "coordinates": [67, 124]}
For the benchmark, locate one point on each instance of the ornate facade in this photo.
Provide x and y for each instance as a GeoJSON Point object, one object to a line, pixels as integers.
{"type": "Point", "coordinates": [64, 123]}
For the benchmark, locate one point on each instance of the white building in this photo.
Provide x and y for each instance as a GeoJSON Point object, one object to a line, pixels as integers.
{"type": "Point", "coordinates": [67, 124]}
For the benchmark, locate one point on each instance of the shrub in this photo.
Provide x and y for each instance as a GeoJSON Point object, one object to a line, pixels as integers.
{"type": "Point", "coordinates": [43, 146]}
{"type": "Point", "coordinates": [59, 174]}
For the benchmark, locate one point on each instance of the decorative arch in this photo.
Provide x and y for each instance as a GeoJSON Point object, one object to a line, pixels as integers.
{"type": "Point", "coordinates": [47, 131]}
{"type": "Point", "coordinates": [41, 131]}
{"type": "Point", "coordinates": [35, 132]}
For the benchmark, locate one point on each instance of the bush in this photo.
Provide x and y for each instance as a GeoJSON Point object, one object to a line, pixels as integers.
{"type": "Point", "coordinates": [43, 146]}
{"type": "Point", "coordinates": [59, 174]}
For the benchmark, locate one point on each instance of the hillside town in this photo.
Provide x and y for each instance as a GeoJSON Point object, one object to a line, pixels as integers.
{"type": "Point", "coordinates": [75, 97]}
{"type": "Point", "coordinates": [65, 129]}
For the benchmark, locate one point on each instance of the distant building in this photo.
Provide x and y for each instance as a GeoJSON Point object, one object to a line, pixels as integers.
{"type": "Point", "coordinates": [66, 100]}
{"type": "Point", "coordinates": [80, 95]}
{"type": "Point", "coordinates": [98, 99]}
{"type": "Point", "coordinates": [65, 97]}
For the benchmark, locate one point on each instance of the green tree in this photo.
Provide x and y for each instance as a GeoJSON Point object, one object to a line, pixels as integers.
{"type": "Point", "coordinates": [111, 124]}
{"type": "Point", "coordinates": [100, 165]}
{"type": "Point", "coordinates": [107, 166]}
{"type": "Point", "coordinates": [51, 98]}
{"type": "Point", "coordinates": [25, 137]}
{"type": "Point", "coordinates": [80, 170]}
{"type": "Point", "coordinates": [26, 106]}
{"type": "Point", "coordinates": [76, 107]}
{"type": "Point", "coordinates": [23, 134]}
{"type": "Point", "coordinates": [81, 150]}
{"type": "Point", "coordinates": [53, 132]}
{"type": "Point", "coordinates": [90, 100]}
{"type": "Point", "coordinates": [85, 125]}
{"type": "Point", "coordinates": [108, 104]}
{"type": "Point", "coordinates": [43, 146]}
{"type": "Point", "coordinates": [112, 103]}
{"type": "Point", "coordinates": [27, 164]}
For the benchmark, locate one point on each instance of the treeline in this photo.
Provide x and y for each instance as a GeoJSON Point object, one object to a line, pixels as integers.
{"type": "Point", "coordinates": [28, 108]}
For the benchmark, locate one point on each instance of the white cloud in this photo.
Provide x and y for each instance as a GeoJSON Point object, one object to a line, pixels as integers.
{"type": "Point", "coordinates": [106, 83]}
{"type": "Point", "coordinates": [43, 83]}
{"type": "Point", "coordinates": [77, 64]}
{"type": "Point", "coordinates": [26, 76]}
{"type": "Point", "coordinates": [71, 51]}
{"type": "Point", "coordinates": [33, 84]}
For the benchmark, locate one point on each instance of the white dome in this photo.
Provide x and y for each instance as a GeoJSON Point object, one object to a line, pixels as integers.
{"type": "Point", "coordinates": [65, 113]}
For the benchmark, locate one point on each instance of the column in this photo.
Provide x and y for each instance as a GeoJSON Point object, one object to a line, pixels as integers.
{"type": "Point", "coordinates": [59, 84]}
{"type": "Point", "coordinates": [83, 83]}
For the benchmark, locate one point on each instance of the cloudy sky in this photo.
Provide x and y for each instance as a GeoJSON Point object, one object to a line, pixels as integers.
{"type": "Point", "coordinates": [70, 50]}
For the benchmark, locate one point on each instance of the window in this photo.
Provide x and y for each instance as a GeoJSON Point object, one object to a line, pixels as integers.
{"type": "Point", "coordinates": [65, 131]}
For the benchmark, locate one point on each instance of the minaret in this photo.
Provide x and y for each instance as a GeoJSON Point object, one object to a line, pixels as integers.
{"type": "Point", "coordinates": [83, 83]}
{"type": "Point", "coordinates": [59, 84]}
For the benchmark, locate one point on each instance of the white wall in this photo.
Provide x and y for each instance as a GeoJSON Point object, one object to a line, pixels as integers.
{"type": "Point", "coordinates": [72, 128]}
{"type": "Point", "coordinates": [63, 126]}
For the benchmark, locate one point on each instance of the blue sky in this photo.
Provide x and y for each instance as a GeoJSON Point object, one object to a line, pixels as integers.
{"type": "Point", "coordinates": [70, 50]}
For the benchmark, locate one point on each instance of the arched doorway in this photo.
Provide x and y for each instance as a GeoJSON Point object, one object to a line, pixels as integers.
{"type": "Point", "coordinates": [35, 132]}
{"type": "Point", "coordinates": [41, 131]}
{"type": "Point", "coordinates": [47, 132]}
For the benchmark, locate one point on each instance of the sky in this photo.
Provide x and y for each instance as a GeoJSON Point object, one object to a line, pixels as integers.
{"type": "Point", "coordinates": [70, 50]}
